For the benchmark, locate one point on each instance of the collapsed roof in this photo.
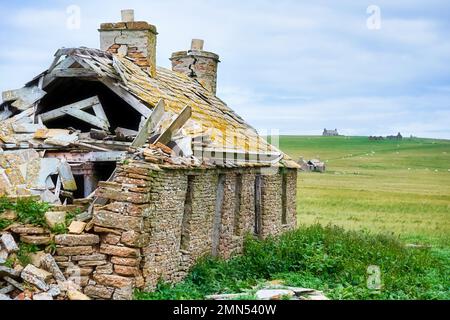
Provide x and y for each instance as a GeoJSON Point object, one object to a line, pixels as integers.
{"type": "Point", "coordinates": [92, 108]}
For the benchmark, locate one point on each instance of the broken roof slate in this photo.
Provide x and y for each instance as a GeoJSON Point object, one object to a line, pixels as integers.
{"type": "Point", "coordinates": [177, 90]}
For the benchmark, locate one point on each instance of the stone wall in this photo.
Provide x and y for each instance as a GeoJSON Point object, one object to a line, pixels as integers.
{"type": "Point", "coordinates": [159, 222]}
{"type": "Point", "coordinates": [272, 203]}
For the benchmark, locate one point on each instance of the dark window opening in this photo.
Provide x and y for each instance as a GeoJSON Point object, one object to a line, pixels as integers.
{"type": "Point", "coordinates": [88, 175]}
{"type": "Point", "coordinates": [284, 199]}
{"type": "Point", "coordinates": [258, 205]}
{"type": "Point", "coordinates": [79, 180]}
{"type": "Point", "coordinates": [237, 205]}
{"type": "Point", "coordinates": [66, 91]}
{"type": "Point", "coordinates": [185, 234]}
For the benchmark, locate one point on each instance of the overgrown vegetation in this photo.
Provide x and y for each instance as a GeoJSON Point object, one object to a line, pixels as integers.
{"type": "Point", "coordinates": [28, 210]}
{"type": "Point", "coordinates": [385, 186]}
{"type": "Point", "coordinates": [33, 212]}
{"type": "Point", "coordinates": [4, 223]}
{"type": "Point", "coordinates": [63, 228]}
{"type": "Point", "coordinates": [23, 256]}
{"type": "Point", "coordinates": [326, 258]}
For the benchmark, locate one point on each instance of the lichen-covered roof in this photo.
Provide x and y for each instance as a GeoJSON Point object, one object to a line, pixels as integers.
{"type": "Point", "coordinates": [210, 114]}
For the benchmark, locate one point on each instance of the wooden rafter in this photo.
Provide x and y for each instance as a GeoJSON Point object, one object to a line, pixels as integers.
{"type": "Point", "coordinates": [149, 125]}
{"type": "Point", "coordinates": [176, 125]}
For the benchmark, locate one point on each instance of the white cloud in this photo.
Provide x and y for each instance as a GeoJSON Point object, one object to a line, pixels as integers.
{"type": "Point", "coordinates": [300, 66]}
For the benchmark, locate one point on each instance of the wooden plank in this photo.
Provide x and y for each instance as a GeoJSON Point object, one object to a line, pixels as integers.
{"type": "Point", "coordinates": [157, 114]}
{"type": "Point", "coordinates": [149, 124]}
{"type": "Point", "coordinates": [23, 98]}
{"type": "Point", "coordinates": [74, 73]}
{"type": "Point", "coordinates": [60, 112]}
{"type": "Point", "coordinates": [67, 62]}
{"type": "Point", "coordinates": [94, 156]}
{"type": "Point", "coordinates": [87, 117]}
{"type": "Point", "coordinates": [48, 79]}
{"type": "Point", "coordinates": [127, 97]}
{"type": "Point", "coordinates": [26, 127]}
{"type": "Point", "coordinates": [176, 125]}
{"type": "Point", "coordinates": [89, 146]}
{"type": "Point", "coordinates": [5, 114]}
{"type": "Point", "coordinates": [100, 113]}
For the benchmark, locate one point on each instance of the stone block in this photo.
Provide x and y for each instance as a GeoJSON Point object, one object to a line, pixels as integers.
{"type": "Point", "coordinates": [111, 239]}
{"type": "Point", "coordinates": [105, 269]}
{"type": "Point", "coordinates": [77, 227]}
{"type": "Point", "coordinates": [99, 292]}
{"type": "Point", "coordinates": [74, 251]}
{"type": "Point", "coordinates": [42, 296]}
{"type": "Point", "coordinates": [36, 277]}
{"type": "Point", "coordinates": [127, 271]}
{"type": "Point", "coordinates": [36, 240]}
{"type": "Point", "coordinates": [55, 218]}
{"type": "Point", "coordinates": [135, 239]}
{"type": "Point", "coordinates": [113, 280]}
{"type": "Point", "coordinates": [109, 219]}
{"type": "Point", "coordinates": [131, 262]}
{"type": "Point", "coordinates": [49, 264]}
{"type": "Point", "coordinates": [77, 295]}
{"type": "Point", "coordinates": [28, 230]}
{"type": "Point", "coordinates": [120, 251]}
{"type": "Point", "coordinates": [93, 257]}
{"type": "Point", "coordinates": [8, 242]}
{"type": "Point", "coordinates": [91, 263]}
{"type": "Point", "coordinates": [5, 271]}
{"type": "Point", "coordinates": [73, 240]}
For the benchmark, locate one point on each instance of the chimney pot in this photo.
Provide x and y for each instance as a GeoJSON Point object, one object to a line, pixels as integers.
{"type": "Point", "coordinates": [198, 64]}
{"type": "Point", "coordinates": [128, 15]}
{"type": "Point", "coordinates": [197, 45]}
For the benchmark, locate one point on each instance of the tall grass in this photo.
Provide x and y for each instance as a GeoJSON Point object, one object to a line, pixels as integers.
{"type": "Point", "coordinates": [325, 258]}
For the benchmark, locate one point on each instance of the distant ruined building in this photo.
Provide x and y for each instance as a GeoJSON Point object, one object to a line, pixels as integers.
{"type": "Point", "coordinates": [397, 137]}
{"type": "Point", "coordinates": [330, 133]}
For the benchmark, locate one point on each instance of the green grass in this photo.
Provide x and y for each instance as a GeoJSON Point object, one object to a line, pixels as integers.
{"type": "Point", "coordinates": [326, 258]}
{"type": "Point", "coordinates": [378, 196]}
{"type": "Point", "coordinates": [401, 187]}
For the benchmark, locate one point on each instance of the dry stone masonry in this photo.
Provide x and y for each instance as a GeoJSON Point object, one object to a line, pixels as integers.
{"type": "Point", "coordinates": [144, 169]}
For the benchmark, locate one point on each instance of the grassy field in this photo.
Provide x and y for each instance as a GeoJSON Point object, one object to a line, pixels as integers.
{"type": "Point", "coordinates": [397, 192]}
{"type": "Point", "coordinates": [400, 187]}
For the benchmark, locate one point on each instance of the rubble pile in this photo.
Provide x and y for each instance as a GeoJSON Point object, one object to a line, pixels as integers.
{"type": "Point", "coordinates": [96, 259]}
{"type": "Point", "coordinates": [41, 279]}
{"type": "Point", "coordinates": [274, 290]}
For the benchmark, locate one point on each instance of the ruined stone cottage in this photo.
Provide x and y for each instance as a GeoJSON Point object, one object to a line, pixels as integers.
{"type": "Point", "coordinates": [162, 171]}
{"type": "Point", "coordinates": [330, 133]}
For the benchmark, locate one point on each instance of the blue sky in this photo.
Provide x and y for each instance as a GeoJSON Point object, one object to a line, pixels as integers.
{"type": "Point", "coordinates": [293, 66]}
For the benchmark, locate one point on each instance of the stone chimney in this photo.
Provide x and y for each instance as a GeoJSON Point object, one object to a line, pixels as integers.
{"type": "Point", "coordinates": [198, 64]}
{"type": "Point", "coordinates": [135, 39]}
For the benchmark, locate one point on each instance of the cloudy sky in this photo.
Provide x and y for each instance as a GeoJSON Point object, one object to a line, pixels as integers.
{"type": "Point", "coordinates": [295, 66]}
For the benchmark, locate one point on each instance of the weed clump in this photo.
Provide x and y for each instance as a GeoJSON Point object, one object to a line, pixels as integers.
{"type": "Point", "coordinates": [325, 258]}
